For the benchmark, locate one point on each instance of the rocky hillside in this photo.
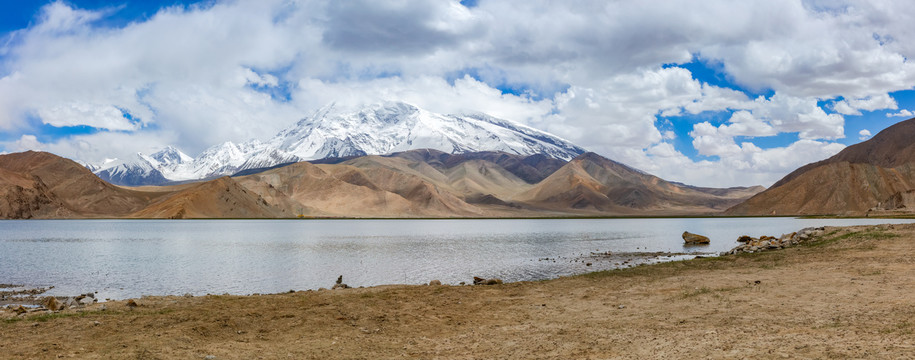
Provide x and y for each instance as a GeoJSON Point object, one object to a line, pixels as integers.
{"type": "Point", "coordinates": [220, 198]}
{"type": "Point", "coordinates": [592, 183]}
{"type": "Point", "coordinates": [870, 176]}
{"type": "Point", "coordinates": [40, 184]}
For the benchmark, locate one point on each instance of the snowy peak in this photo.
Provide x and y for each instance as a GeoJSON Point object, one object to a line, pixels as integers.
{"type": "Point", "coordinates": [396, 126]}
{"type": "Point", "coordinates": [170, 156]}
{"type": "Point", "coordinates": [339, 131]}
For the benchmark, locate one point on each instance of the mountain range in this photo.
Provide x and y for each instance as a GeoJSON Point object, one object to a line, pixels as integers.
{"type": "Point", "coordinates": [415, 183]}
{"type": "Point", "coordinates": [529, 174]}
{"type": "Point", "coordinates": [339, 132]}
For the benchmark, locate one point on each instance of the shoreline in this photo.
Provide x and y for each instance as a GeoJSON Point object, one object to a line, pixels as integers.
{"type": "Point", "coordinates": [12, 295]}
{"type": "Point", "coordinates": [846, 293]}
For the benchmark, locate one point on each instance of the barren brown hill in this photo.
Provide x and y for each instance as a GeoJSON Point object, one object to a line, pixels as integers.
{"type": "Point", "coordinates": [219, 198]}
{"type": "Point", "coordinates": [419, 183]}
{"type": "Point", "coordinates": [531, 168]}
{"type": "Point", "coordinates": [63, 188]}
{"type": "Point", "coordinates": [346, 190]}
{"type": "Point", "coordinates": [592, 183]}
{"type": "Point", "coordinates": [858, 179]}
{"type": "Point", "coordinates": [469, 178]}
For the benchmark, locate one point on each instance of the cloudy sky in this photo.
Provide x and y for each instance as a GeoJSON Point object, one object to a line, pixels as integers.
{"type": "Point", "coordinates": [713, 93]}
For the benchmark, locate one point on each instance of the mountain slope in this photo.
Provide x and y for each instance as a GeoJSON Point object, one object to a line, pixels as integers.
{"type": "Point", "coordinates": [859, 178]}
{"type": "Point", "coordinates": [22, 197]}
{"type": "Point", "coordinates": [219, 198]}
{"type": "Point", "coordinates": [593, 184]}
{"type": "Point", "coordinates": [345, 190]}
{"type": "Point", "coordinates": [71, 185]}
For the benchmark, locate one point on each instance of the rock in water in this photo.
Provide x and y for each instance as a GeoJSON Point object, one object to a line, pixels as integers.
{"type": "Point", "coordinates": [691, 238]}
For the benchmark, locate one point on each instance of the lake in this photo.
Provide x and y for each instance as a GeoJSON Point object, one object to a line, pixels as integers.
{"type": "Point", "coordinates": [129, 258]}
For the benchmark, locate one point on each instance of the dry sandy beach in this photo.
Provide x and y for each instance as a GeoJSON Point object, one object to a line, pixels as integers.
{"type": "Point", "coordinates": [848, 294]}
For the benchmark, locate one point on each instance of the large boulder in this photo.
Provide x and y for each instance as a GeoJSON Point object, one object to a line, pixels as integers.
{"type": "Point", "coordinates": [693, 239]}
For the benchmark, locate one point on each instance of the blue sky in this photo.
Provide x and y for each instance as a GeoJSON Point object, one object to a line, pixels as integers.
{"type": "Point", "coordinates": [716, 93]}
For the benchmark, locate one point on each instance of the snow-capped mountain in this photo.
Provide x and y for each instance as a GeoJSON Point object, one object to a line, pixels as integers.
{"type": "Point", "coordinates": [140, 169]}
{"type": "Point", "coordinates": [335, 131]}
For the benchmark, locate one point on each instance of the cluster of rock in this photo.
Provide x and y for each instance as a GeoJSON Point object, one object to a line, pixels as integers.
{"type": "Point", "coordinates": [53, 304]}
{"type": "Point", "coordinates": [763, 243]}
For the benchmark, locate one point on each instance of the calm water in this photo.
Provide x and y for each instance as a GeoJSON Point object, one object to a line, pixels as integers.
{"type": "Point", "coordinates": [126, 258]}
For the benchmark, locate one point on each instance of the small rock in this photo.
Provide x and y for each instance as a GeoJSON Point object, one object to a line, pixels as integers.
{"type": "Point", "coordinates": [435, 283]}
{"type": "Point", "coordinates": [621, 307]}
{"type": "Point", "coordinates": [70, 302]}
{"type": "Point", "coordinates": [588, 264]}
{"type": "Point", "coordinates": [51, 303]}
{"type": "Point", "coordinates": [96, 323]}
{"type": "Point", "coordinates": [744, 239]}
{"type": "Point", "coordinates": [20, 310]}
{"type": "Point", "coordinates": [132, 304]}
{"type": "Point", "coordinates": [86, 301]}
{"type": "Point", "coordinates": [339, 286]}
{"type": "Point", "coordinates": [482, 281]}
{"type": "Point", "coordinates": [209, 357]}
{"type": "Point", "coordinates": [691, 238]}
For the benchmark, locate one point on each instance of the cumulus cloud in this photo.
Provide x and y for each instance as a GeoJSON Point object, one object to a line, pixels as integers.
{"type": "Point", "coordinates": [598, 73]}
{"type": "Point", "coordinates": [26, 142]}
{"type": "Point", "coordinates": [870, 103]}
{"type": "Point", "coordinates": [864, 134]}
{"type": "Point", "coordinates": [901, 113]}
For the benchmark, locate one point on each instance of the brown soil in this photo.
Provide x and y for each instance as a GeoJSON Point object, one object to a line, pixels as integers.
{"type": "Point", "coordinates": [849, 294]}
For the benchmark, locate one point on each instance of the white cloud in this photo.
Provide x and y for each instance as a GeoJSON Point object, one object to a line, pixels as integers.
{"type": "Point", "coordinates": [901, 113]}
{"type": "Point", "coordinates": [95, 115]}
{"type": "Point", "coordinates": [864, 134]}
{"type": "Point", "coordinates": [870, 103]}
{"type": "Point", "coordinates": [25, 143]}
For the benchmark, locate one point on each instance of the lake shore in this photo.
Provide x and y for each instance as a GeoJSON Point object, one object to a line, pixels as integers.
{"type": "Point", "coordinates": [846, 294]}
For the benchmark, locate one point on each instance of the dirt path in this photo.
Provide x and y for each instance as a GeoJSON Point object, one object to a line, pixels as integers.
{"type": "Point", "coordinates": [851, 294]}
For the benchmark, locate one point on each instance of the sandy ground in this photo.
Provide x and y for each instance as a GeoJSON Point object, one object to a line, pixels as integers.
{"type": "Point", "coordinates": [849, 294]}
